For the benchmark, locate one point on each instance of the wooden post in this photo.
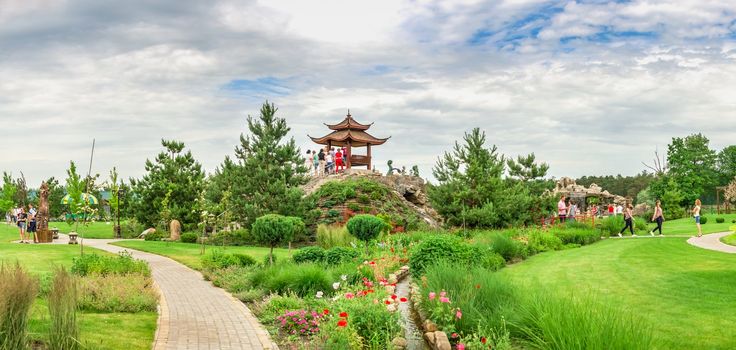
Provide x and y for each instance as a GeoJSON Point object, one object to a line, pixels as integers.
{"type": "Point", "coordinates": [370, 160]}
{"type": "Point", "coordinates": [349, 151]}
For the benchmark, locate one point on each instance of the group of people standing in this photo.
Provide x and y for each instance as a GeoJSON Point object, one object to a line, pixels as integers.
{"type": "Point", "coordinates": [26, 222]}
{"type": "Point", "coordinates": [326, 161]}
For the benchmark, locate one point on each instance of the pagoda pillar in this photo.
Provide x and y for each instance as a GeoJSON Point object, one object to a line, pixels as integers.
{"type": "Point", "coordinates": [370, 160]}
{"type": "Point", "coordinates": [349, 151]}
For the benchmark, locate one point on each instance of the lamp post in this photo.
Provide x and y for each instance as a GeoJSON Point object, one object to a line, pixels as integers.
{"type": "Point", "coordinates": [118, 230]}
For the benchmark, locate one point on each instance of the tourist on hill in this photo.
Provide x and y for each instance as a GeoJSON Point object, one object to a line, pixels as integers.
{"type": "Point", "coordinates": [315, 160]}
{"type": "Point", "coordinates": [345, 156]}
{"type": "Point", "coordinates": [619, 209]}
{"type": "Point", "coordinates": [629, 220]}
{"type": "Point", "coordinates": [571, 211]}
{"type": "Point", "coordinates": [321, 158]}
{"type": "Point", "coordinates": [696, 214]}
{"type": "Point", "coordinates": [611, 210]}
{"type": "Point", "coordinates": [657, 217]}
{"type": "Point", "coordinates": [31, 231]}
{"type": "Point", "coordinates": [21, 222]}
{"type": "Point", "coordinates": [338, 160]}
{"type": "Point", "coordinates": [308, 160]}
{"type": "Point", "coordinates": [330, 159]}
{"type": "Point", "coordinates": [562, 209]}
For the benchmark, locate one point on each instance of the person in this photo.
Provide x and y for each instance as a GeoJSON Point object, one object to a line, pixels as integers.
{"type": "Point", "coordinates": [31, 231]}
{"type": "Point", "coordinates": [308, 160]}
{"type": "Point", "coordinates": [321, 158]}
{"type": "Point", "coordinates": [629, 220]}
{"type": "Point", "coordinates": [619, 209]}
{"type": "Point", "coordinates": [330, 160]}
{"type": "Point", "coordinates": [696, 214]}
{"type": "Point", "coordinates": [338, 159]}
{"type": "Point", "coordinates": [315, 160]}
{"type": "Point", "coordinates": [571, 211]}
{"type": "Point", "coordinates": [657, 217]}
{"type": "Point", "coordinates": [21, 222]}
{"type": "Point", "coordinates": [610, 210]}
{"type": "Point", "coordinates": [562, 209]}
{"type": "Point", "coordinates": [345, 156]}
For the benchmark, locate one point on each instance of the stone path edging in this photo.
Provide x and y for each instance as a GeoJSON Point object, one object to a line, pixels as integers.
{"type": "Point", "coordinates": [194, 314]}
{"type": "Point", "coordinates": [713, 242]}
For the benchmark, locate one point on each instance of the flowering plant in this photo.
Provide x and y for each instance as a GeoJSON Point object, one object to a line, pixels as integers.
{"type": "Point", "coordinates": [300, 322]}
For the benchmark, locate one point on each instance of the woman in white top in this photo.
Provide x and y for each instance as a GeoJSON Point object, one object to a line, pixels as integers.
{"type": "Point", "coordinates": [696, 214]}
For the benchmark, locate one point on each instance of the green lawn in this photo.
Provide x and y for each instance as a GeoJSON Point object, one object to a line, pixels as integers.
{"type": "Point", "coordinates": [98, 229]}
{"type": "Point", "coordinates": [730, 239]}
{"type": "Point", "coordinates": [686, 293]}
{"type": "Point", "coordinates": [189, 253]}
{"type": "Point", "coordinates": [123, 331]}
{"type": "Point", "coordinates": [686, 226]}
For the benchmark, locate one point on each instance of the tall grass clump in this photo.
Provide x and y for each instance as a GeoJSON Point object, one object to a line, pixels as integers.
{"type": "Point", "coordinates": [333, 236]}
{"type": "Point", "coordinates": [123, 263]}
{"type": "Point", "coordinates": [64, 330]}
{"type": "Point", "coordinates": [18, 290]}
{"type": "Point", "coordinates": [553, 322]}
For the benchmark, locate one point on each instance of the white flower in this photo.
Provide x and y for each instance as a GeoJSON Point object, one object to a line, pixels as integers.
{"type": "Point", "coordinates": [319, 294]}
{"type": "Point", "coordinates": [336, 285]}
{"type": "Point", "coordinates": [344, 277]}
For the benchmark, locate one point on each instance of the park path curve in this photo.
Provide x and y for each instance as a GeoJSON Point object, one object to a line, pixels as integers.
{"type": "Point", "coordinates": [713, 242]}
{"type": "Point", "coordinates": [193, 313]}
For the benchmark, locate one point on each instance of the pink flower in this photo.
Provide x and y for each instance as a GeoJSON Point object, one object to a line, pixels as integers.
{"type": "Point", "coordinates": [444, 300]}
{"type": "Point", "coordinates": [454, 335]}
{"type": "Point", "coordinates": [443, 293]}
{"type": "Point", "coordinates": [460, 346]}
{"type": "Point", "coordinates": [432, 295]}
{"type": "Point", "coordinates": [458, 314]}
{"type": "Point", "coordinates": [349, 295]}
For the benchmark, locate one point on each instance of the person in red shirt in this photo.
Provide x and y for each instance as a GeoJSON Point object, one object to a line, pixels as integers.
{"type": "Point", "coordinates": [338, 160]}
{"type": "Point", "coordinates": [610, 210]}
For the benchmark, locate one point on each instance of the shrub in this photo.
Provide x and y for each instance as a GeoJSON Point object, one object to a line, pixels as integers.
{"type": "Point", "coordinates": [508, 248]}
{"type": "Point", "coordinates": [720, 220]}
{"type": "Point", "coordinates": [18, 290]}
{"type": "Point", "coordinates": [299, 322]}
{"type": "Point", "coordinates": [333, 236]}
{"type": "Point", "coordinates": [309, 254]}
{"type": "Point", "coordinates": [121, 264]}
{"type": "Point", "coordinates": [131, 228]}
{"type": "Point", "coordinates": [268, 260]}
{"type": "Point", "coordinates": [354, 206]}
{"type": "Point", "coordinates": [338, 255]}
{"type": "Point", "coordinates": [486, 258]}
{"type": "Point", "coordinates": [64, 330]}
{"type": "Point", "coordinates": [235, 238]}
{"type": "Point", "coordinates": [118, 293]}
{"type": "Point", "coordinates": [703, 220]}
{"type": "Point", "coordinates": [303, 280]}
{"type": "Point", "coordinates": [434, 249]}
{"type": "Point", "coordinates": [189, 237]}
{"type": "Point", "coordinates": [272, 229]}
{"type": "Point", "coordinates": [216, 259]}
{"type": "Point", "coordinates": [541, 241]}
{"type": "Point", "coordinates": [371, 321]}
{"type": "Point", "coordinates": [365, 227]}
{"type": "Point", "coordinates": [155, 236]}
{"type": "Point", "coordinates": [576, 236]}
{"type": "Point", "coordinates": [557, 323]}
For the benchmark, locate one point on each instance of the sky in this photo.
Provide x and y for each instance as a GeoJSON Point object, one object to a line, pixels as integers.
{"type": "Point", "coordinates": [591, 87]}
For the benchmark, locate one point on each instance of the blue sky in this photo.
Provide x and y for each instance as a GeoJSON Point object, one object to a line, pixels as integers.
{"type": "Point", "coordinates": [592, 87]}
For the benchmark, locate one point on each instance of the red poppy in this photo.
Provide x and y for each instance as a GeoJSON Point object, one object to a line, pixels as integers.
{"type": "Point", "coordinates": [393, 296]}
{"type": "Point", "coordinates": [370, 291]}
{"type": "Point", "coordinates": [325, 312]}
{"type": "Point", "coordinates": [388, 302]}
{"type": "Point", "coordinates": [343, 314]}
{"type": "Point", "coordinates": [454, 335]}
{"type": "Point", "coordinates": [483, 340]}
{"type": "Point", "coordinates": [477, 286]}
{"type": "Point", "coordinates": [403, 300]}
{"type": "Point", "coordinates": [342, 323]}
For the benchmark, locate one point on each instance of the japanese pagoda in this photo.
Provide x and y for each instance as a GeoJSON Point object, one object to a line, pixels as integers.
{"type": "Point", "coordinates": [349, 133]}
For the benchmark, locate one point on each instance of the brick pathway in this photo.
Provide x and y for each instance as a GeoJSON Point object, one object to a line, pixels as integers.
{"type": "Point", "coordinates": [713, 242]}
{"type": "Point", "coordinates": [194, 314]}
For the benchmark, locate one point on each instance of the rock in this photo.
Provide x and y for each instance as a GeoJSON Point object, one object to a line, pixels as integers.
{"type": "Point", "coordinates": [429, 326]}
{"type": "Point", "coordinates": [399, 343]}
{"type": "Point", "coordinates": [146, 232]}
{"type": "Point", "coordinates": [392, 278]}
{"type": "Point", "coordinates": [175, 230]}
{"type": "Point", "coordinates": [441, 341]}
{"type": "Point", "coordinates": [430, 338]}
{"type": "Point", "coordinates": [390, 289]}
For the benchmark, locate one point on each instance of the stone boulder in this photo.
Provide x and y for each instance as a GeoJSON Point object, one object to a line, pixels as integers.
{"type": "Point", "coordinates": [175, 230]}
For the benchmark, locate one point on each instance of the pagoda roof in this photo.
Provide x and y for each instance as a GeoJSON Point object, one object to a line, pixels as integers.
{"type": "Point", "coordinates": [357, 138]}
{"type": "Point", "coordinates": [349, 123]}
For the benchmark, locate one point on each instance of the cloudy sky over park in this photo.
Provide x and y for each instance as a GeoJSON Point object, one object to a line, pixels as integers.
{"type": "Point", "coordinates": [591, 87]}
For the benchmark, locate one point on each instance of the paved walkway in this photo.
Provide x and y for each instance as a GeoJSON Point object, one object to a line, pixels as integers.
{"type": "Point", "coordinates": [193, 314]}
{"type": "Point", "coordinates": [713, 242]}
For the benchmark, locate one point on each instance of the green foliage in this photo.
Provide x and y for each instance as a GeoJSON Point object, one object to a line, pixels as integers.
{"type": "Point", "coordinates": [64, 330]}
{"type": "Point", "coordinates": [365, 227]}
{"type": "Point", "coordinates": [371, 321]}
{"type": "Point", "coordinates": [339, 255]}
{"type": "Point", "coordinates": [434, 249]}
{"type": "Point", "coordinates": [104, 265]}
{"type": "Point", "coordinates": [503, 245]}
{"type": "Point", "coordinates": [703, 220]}
{"type": "Point", "coordinates": [542, 241]}
{"type": "Point", "coordinates": [577, 235]}
{"type": "Point", "coordinates": [216, 259]}
{"type": "Point", "coordinates": [171, 186]}
{"type": "Point", "coordinates": [189, 237]}
{"type": "Point", "coordinates": [56, 194]}
{"type": "Point", "coordinates": [303, 280]}
{"type": "Point", "coordinates": [526, 168]}
{"type": "Point", "coordinates": [692, 166]}
{"type": "Point", "coordinates": [273, 229]}
{"type": "Point", "coordinates": [7, 193]}
{"type": "Point", "coordinates": [720, 220]}
{"type": "Point", "coordinates": [155, 236]}
{"type": "Point", "coordinates": [333, 236]}
{"type": "Point", "coordinates": [75, 191]}
{"type": "Point", "coordinates": [118, 293]}
{"type": "Point", "coordinates": [627, 186]}
{"type": "Point", "coordinates": [233, 238]}
{"type": "Point", "coordinates": [309, 255]}
{"type": "Point", "coordinates": [18, 290]}
{"type": "Point", "coordinates": [131, 228]}
{"type": "Point", "coordinates": [727, 164]}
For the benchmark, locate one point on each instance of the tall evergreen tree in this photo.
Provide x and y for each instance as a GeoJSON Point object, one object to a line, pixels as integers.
{"type": "Point", "coordinates": [268, 172]}
{"type": "Point", "coordinates": [171, 185]}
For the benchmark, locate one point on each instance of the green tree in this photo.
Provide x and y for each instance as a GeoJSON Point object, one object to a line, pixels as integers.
{"type": "Point", "coordinates": [113, 186]}
{"type": "Point", "coordinates": [525, 168]}
{"type": "Point", "coordinates": [272, 230]}
{"type": "Point", "coordinates": [268, 172]}
{"type": "Point", "coordinates": [171, 184]}
{"type": "Point", "coordinates": [727, 164]}
{"type": "Point", "coordinates": [7, 199]}
{"type": "Point", "coordinates": [366, 228]}
{"type": "Point", "coordinates": [75, 190]}
{"type": "Point", "coordinates": [692, 166]}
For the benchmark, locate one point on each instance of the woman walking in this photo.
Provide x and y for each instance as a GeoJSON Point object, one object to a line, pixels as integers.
{"type": "Point", "coordinates": [696, 214]}
{"type": "Point", "coordinates": [629, 220]}
{"type": "Point", "coordinates": [657, 217]}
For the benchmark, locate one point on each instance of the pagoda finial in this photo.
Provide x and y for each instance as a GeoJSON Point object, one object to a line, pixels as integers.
{"type": "Point", "coordinates": [348, 112]}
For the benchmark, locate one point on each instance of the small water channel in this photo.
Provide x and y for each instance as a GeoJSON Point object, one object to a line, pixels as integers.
{"type": "Point", "coordinates": [409, 318]}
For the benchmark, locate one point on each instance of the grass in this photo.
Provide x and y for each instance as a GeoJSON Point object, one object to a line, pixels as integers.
{"type": "Point", "coordinates": [730, 239]}
{"type": "Point", "coordinates": [98, 229]}
{"type": "Point", "coordinates": [189, 253]}
{"type": "Point", "coordinates": [685, 293]}
{"type": "Point", "coordinates": [686, 226]}
{"type": "Point", "coordinates": [123, 331]}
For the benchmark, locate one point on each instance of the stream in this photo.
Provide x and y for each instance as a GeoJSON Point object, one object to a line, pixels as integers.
{"type": "Point", "coordinates": [408, 318]}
